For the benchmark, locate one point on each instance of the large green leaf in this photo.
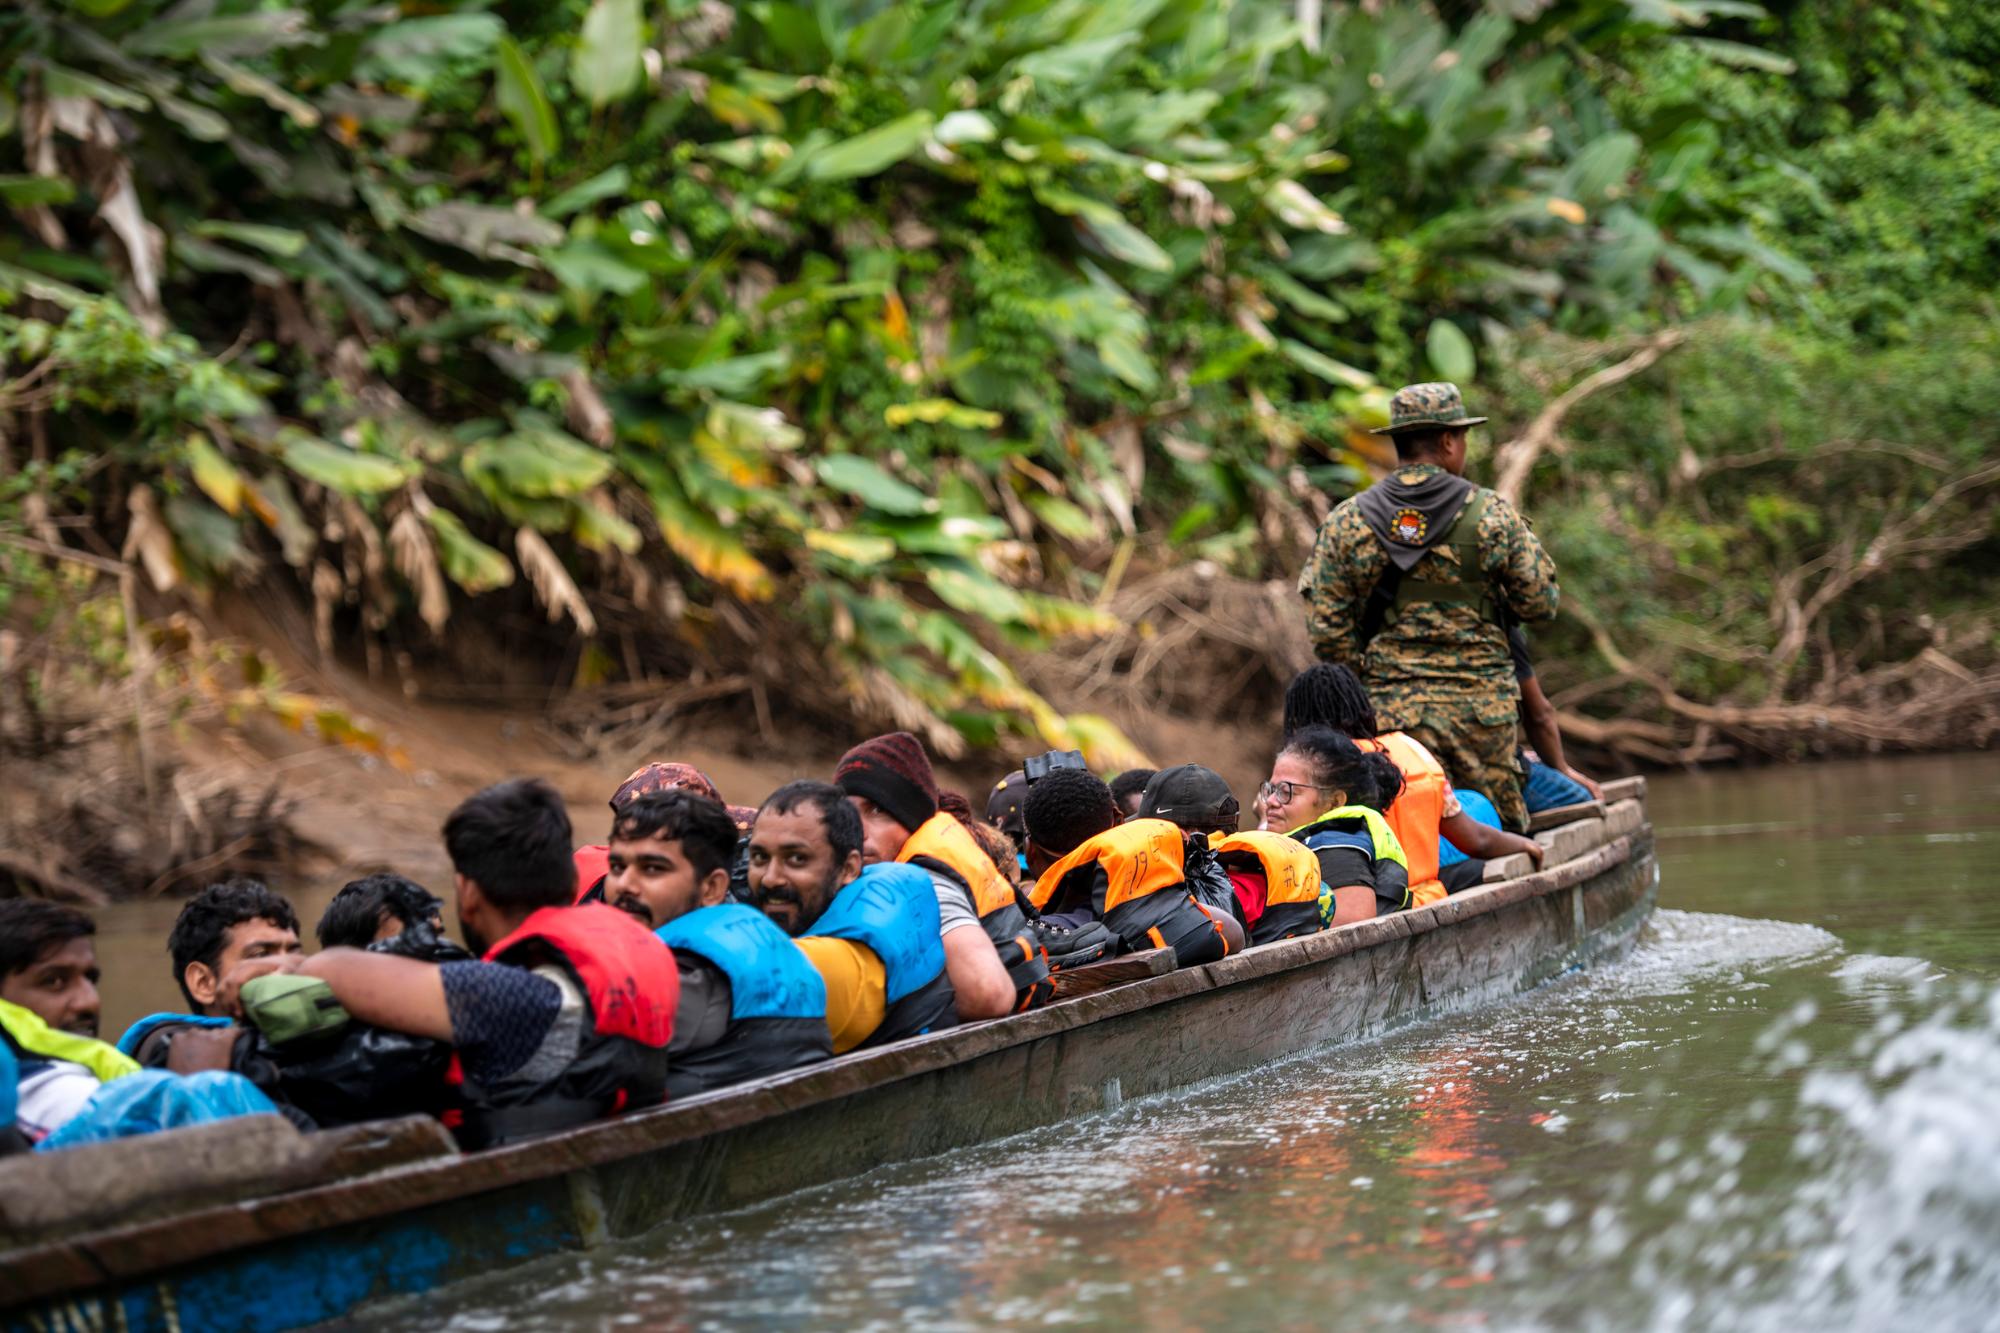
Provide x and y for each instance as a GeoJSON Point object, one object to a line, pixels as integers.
{"type": "Point", "coordinates": [607, 65]}
{"type": "Point", "coordinates": [336, 468]}
{"type": "Point", "coordinates": [866, 154]}
{"type": "Point", "coordinates": [231, 37]}
{"type": "Point", "coordinates": [864, 479]}
{"type": "Point", "coordinates": [535, 461]}
{"type": "Point", "coordinates": [1450, 352]}
{"type": "Point", "coordinates": [519, 92]}
{"type": "Point", "coordinates": [468, 562]}
{"type": "Point", "coordinates": [416, 51]}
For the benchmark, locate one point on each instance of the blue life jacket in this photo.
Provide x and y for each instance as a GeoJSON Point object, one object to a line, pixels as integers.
{"type": "Point", "coordinates": [893, 910]}
{"type": "Point", "coordinates": [10, 1087]}
{"type": "Point", "coordinates": [1480, 811]}
{"type": "Point", "coordinates": [139, 1031]}
{"type": "Point", "coordinates": [768, 976]}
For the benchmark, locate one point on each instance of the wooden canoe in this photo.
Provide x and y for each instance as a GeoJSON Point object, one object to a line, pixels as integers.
{"type": "Point", "coordinates": [296, 1229]}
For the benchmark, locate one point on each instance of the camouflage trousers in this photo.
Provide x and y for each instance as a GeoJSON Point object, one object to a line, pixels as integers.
{"type": "Point", "coordinates": [1475, 739]}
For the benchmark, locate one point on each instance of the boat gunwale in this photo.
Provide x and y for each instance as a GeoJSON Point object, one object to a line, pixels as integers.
{"type": "Point", "coordinates": [131, 1251]}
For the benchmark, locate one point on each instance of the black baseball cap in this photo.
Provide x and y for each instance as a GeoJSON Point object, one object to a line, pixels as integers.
{"type": "Point", "coordinates": [1004, 805]}
{"type": "Point", "coordinates": [1191, 796]}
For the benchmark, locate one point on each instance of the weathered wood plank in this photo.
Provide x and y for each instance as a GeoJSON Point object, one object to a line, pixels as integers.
{"type": "Point", "coordinates": [1624, 789]}
{"type": "Point", "coordinates": [1094, 977]}
{"type": "Point", "coordinates": [1557, 816]}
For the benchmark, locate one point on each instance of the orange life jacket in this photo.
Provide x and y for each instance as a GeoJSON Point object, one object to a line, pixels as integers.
{"type": "Point", "coordinates": [1291, 871]}
{"type": "Point", "coordinates": [1137, 880]}
{"type": "Point", "coordinates": [943, 841]}
{"type": "Point", "coordinates": [1417, 813]}
{"type": "Point", "coordinates": [1139, 857]}
{"type": "Point", "coordinates": [1277, 883]}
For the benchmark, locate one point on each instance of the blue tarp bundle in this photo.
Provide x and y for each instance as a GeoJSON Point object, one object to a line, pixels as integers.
{"type": "Point", "coordinates": [154, 1099]}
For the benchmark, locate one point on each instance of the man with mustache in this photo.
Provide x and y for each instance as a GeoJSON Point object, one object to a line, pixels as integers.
{"type": "Point", "coordinates": [871, 933]}
{"type": "Point", "coordinates": [750, 1003]}
{"type": "Point", "coordinates": [48, 1015]}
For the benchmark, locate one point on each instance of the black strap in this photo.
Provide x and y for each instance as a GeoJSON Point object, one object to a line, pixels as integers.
{"type": "Point", "coordinates": [1392, 590]}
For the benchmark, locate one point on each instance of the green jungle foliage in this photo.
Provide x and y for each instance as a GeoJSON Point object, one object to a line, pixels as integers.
{"type": "Point", "coordinates": [847, 339]}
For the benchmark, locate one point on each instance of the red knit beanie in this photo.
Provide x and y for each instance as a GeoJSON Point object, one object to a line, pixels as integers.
{"type": "Point", "coordinates": [894, 772]}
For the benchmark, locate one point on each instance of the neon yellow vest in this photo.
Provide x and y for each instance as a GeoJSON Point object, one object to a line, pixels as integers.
{"type": "Point", "coordinates": [1387, 848]}
{"type": "Point", "coordinates": [32, 1035]}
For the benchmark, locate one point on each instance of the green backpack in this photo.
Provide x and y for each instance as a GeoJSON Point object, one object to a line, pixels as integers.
{"type": "Point", "coordinates": [286, 1007]}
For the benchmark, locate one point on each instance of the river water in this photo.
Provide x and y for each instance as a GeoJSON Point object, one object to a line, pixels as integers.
{"type": "Point", "coordinates": [1783, 1109]}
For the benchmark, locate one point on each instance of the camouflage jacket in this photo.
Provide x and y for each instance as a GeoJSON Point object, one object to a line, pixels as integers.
{"type": "Point", "coordinates": [1429, 651]}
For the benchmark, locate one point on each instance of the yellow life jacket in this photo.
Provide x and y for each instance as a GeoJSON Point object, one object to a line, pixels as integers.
{"type": "Point", "coordinates": [943, 839]}
{"type": "Point", "coordinates": [1291, 871]}
{"type": "Point", "coordinates": [25, 1028]}
{"type": "Point", "coordinates": [1387, 848]}
{"type": "Point", "coordinates": [1138, 857]}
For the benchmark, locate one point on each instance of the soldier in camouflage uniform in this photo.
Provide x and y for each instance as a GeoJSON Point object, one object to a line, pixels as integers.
{"type": "Point", "coordinates": [1429, 640]}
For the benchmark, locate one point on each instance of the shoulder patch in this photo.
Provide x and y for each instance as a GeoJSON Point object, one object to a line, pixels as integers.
{"type": "Point", "coordinates": [1409, 526]}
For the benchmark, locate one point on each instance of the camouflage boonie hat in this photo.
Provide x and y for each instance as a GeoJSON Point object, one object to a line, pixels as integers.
{"type": "Point", "coordinates": [1426, 407]}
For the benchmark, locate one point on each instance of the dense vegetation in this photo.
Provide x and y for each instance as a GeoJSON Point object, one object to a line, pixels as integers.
{"type": "Point", "coordinates": [850, 351]}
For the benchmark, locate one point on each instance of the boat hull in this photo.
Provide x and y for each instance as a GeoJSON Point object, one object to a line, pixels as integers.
{"type": "Point", "coordinates": [322, 1252]}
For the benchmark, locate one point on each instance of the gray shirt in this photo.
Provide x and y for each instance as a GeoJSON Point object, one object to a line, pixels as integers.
{"type": "Point", "coordinates": [954, 903]}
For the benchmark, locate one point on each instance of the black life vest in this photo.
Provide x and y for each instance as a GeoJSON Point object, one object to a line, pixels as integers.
{"type": "Point", "coordinates": [630, 988]}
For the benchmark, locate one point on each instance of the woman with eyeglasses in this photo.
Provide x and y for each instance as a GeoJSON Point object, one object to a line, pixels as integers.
{"type": "Point", "coordinates": [1329, 793]}
{"type": "Point", "coordinates": [1429, 810]}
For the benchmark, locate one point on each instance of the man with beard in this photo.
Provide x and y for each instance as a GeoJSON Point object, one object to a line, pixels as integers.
{"type": "Point", "coordinates": [871, 933]}
{"type": "Point", "coordinates": [566, 1016]}
{"type": "Point", "coordinates": [48, 1015]}
{"type": "Point", "coordinates": [750, 1003]}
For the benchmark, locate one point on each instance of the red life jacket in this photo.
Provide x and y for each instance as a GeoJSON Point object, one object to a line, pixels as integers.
{"type": "Point", "coordinates": [631, 987]}
{"type": "Point", "coordinates": [592, 864]}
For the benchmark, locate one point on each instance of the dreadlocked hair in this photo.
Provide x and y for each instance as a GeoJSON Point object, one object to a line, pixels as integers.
{"type": "Point", "coordinates": [1329, 695]}
{"type": "Point", "coordinates": [1369, 777]}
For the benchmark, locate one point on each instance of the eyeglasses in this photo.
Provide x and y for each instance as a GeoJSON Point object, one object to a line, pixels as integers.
{"type": "Point", "coordinates": [1281, 793]}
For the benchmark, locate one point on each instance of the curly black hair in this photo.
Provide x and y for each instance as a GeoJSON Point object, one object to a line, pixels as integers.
{"type": "Point", "coordinates": [1129, 784]}
{"type": "Point", "coordinates": [355, 914]}
{"type": "Point", "coordinates": [706, 832]}
{"type": "Point", "coordinates": [1067, 808]}
{"type": "Point", "coordinates": [201, 931]}
{"type": "Point", "coordinates": [843, 825]}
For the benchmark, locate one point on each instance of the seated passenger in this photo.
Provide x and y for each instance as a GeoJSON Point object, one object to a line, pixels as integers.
{"type": "Point", "coordinates": [998, 969]}
{"type": "Point", "coordinates": [1330, 695]}
{"type": "Point", "coordinates": [1091, 866]}
{"type": "Point", "coordinates": [1549, 780]}
{"type": "Point", "coordinates": [48, 1016]}
{"type": "Point", "coordinates": [646, 778]}
{"type": "Point", "coordinates": [219, 928]}
{"type": "Point", "coordinates": [378, 909]}
{"type": "Point", "coordinates": [750, 1002]}
{"type": "Point", "coordinates": [1328, 793]}
{"type": "Point", "coordinates": [1196, 800]}
{"type": "Point", "coordinates": [1269, 881]}
{"type": "Point", "coordinates": [1128, 789]}
{"type": "Point", "coordinates": [872, 933]}
{"type": "Point", "coordinates": [567, 1015]}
